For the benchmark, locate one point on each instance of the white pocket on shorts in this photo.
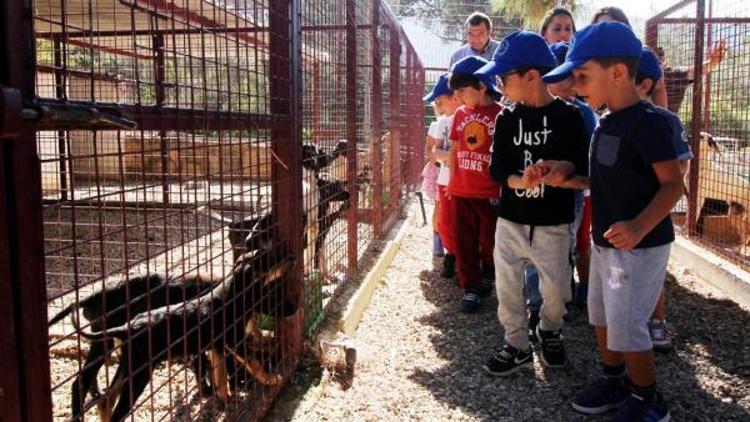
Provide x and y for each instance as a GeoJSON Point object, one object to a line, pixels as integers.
{"type": "Point", "coordinates": [619, 265]}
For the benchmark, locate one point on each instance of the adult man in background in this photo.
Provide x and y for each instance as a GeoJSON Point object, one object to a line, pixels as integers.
{"type": "Point", "coordinates": [479, 39]}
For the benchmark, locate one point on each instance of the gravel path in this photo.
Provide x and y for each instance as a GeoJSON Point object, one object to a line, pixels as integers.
{"type": "Point", "coordinates": [420, 359]}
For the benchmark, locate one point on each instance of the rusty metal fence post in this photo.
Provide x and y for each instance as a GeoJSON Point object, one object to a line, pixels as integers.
{"type": "Point", "coordinates": [25, 393]}
{"type": "Point", "coordinates": [694, 175]}
{"type": "Point", "coordinates": [351, 135]}
{"type": "Point", "coordinates": [377, 118]}
{"type": "Point", "coordinates": [285, 89]}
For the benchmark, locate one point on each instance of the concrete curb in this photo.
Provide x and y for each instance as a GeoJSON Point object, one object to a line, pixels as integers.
{"type": "Point", "coordinates": [716, 271]}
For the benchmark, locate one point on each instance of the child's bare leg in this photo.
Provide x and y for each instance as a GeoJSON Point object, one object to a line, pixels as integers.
{"type": "Point", "coordinates": [660, 312]}
{"type": "Point", "coordinates": [582, 266]}
{"type": "Point", "coordinates": [609, 358]}
{"type": "Point", "coordinates": [641, 368]}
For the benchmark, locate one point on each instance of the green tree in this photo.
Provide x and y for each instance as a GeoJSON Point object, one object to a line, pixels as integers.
{"type": "Point", "coordinates": [531, 12]}
{"type": "Point", "coordinates": [452, 14]}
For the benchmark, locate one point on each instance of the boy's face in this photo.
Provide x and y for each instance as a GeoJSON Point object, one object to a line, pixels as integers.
{"type": "Point", "coordinates": [447, 104]}
{"type": "Point", "coordinates": [644, 88]}
{"type": "Point", "coordinates": [470, 96]}
{"type": "Point", "coordinates": [563, 89]}
{"type": "Point", "coordinates": [596, 83]}
{"type": "Point", "coordinates": [513, 86]}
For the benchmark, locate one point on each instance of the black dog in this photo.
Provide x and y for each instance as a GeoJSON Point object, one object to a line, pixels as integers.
{"type": "Point", "coordinates": [111, 307]}
{"type": "Point", "coordinates": [214, 322]}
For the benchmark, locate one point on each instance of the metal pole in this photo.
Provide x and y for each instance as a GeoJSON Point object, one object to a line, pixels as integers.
{"type": "Point", "coordinates": [25, 393]}
{"type": "Point", "coordinates": [696, 119]}
{"type": "Point", "coordinates": [286, 140]}
{"type": "Point", "coordinates": [351, 134]}
{"type": "Point", "coordinates": [377, 117]}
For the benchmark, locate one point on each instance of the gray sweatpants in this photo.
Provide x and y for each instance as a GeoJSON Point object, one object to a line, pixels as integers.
{"type": "Point", "coordinates": [548, 249]}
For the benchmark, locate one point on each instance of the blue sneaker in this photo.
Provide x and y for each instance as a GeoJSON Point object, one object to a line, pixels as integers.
{"type": "Point", "coordinates": [437, 245]}
{"type": "Point", "coordinates": [601, 396]}
{"type": "Point", "coordinates": [636, 408]}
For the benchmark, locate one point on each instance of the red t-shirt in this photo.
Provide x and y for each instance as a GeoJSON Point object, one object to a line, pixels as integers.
{"type": "Point", "coordinates": [472, 131]}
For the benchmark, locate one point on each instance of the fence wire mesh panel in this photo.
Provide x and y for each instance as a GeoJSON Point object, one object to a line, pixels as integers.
{"type": "Point", "coordinates": [160, 243]}
{"type": "Point", "coordinates": [179, 145]}
{"type": "Point", "coordinates": [707, 65]}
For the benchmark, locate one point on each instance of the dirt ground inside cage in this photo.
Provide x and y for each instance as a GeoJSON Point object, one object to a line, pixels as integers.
{"type": "Point", "coordinates": [419, 358]}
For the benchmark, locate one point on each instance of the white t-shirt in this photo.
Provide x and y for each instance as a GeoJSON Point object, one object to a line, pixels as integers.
{"type": "Point", "coordinates": [440, 130]}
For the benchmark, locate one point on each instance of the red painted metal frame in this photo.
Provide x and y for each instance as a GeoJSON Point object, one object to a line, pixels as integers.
{"type": "Point", "coordinates": [25, 393]}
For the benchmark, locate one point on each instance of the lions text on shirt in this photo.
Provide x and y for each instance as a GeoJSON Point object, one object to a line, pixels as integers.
{"type": "Point", "coordinates": [526, 135]}
{"type": "Point", "coordinates": [472, 132]}
{"type": "Point", "coordinates": [624, 148]}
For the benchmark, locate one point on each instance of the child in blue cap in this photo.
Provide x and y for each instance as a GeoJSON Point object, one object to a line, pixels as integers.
{"type": "Point", "coordinates": [635, 182]}
{"type": "Point", "coordinates": [646, 79]}
{"type": "Point", "coordinates": [581, 227]}
{"type": "Point", "coordinates": [533, 217]}
{"type": "Point", "coordinates": [437, 171]}
{"type": "Point", "coordinates": [471, 188]}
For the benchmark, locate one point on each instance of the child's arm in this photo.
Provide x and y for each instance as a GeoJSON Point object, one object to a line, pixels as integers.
{"type": "Point", "coordinates": [626, 235]}
{"type": "Point", "coordinates": [440, 156]}
{"type": "Point", "coordinates": [576, 182]}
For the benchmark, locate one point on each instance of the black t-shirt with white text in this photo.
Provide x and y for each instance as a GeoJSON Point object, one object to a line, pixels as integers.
{"type": "Point", "coordinates": [624, 147]}
{"type": "Point", "coordinates": [523, 136]}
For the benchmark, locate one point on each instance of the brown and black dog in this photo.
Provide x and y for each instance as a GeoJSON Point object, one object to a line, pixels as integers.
{"type": "Point", "coordinates": [112, 307]}
{"type": "Point", "coordinates": [215, 322]}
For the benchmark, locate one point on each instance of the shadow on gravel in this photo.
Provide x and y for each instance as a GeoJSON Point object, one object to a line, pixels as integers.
{"type": "Point", "coordinates": [706, 378]}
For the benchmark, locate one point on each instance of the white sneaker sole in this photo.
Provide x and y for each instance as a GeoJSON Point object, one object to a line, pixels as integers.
{"type": "Point", "coordinates": [596, 410]}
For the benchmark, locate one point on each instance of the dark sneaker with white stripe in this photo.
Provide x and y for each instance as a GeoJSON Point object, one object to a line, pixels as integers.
{"type": "Point", "coordinates": [486, 286]}
{"type": "Point", "coordinates": [603, 395]}
{"type": "Point", "coordinates": [507, 360]}
{"type": "Point", "coordinates": [470, 303]}
{"type": "Point", "coordinates": [552, 350]}
{"type": "Point", "coordinates": [639, 409]}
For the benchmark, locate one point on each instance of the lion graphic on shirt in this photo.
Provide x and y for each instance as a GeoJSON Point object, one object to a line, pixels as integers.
{"type": "Point", "coordinates": [475, 135]}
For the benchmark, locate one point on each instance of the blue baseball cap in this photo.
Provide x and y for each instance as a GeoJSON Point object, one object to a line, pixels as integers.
{"type": "Point", "coordinates": [519, 49]}
{"type": "Point", "coordinates": [600, 40]}
{"type": "Point", "coordinates": [441, 88]}
{"type": "Point", "coordinates": [649, 65]}
{"type": "Point", "coordinates": [560, 50]}
{"type": "Point", "coordinates": [470, 65]}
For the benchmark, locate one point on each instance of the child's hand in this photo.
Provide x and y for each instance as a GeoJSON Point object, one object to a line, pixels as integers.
{"type": "Point", "coordinates": [533, 175]}
{"type": "Point", "coordinates": [624, 235]}
{"type": "Point", "coordinates": [558, 172]}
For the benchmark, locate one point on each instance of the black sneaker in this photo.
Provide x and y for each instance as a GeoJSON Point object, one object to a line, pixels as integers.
{"type": "Point", "coordinates": [533, 322]}
{"type": "Point", "coordinates": [470, 303]}
{"type": "Point", "coordinates": [552, 350]}
{"type": "Point", "coordinates": [603, 395]}
{"type": "Point", "coordinates": [486, 286]}
{"type": "Point", "coordinates": [507, 360]}
{"type": "Point", "coordinates": [449, 266]}
{"type": "Point", "coordinates": [637, 408]}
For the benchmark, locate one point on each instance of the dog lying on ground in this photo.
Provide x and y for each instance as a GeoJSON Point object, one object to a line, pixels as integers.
{"type": "Point", "coordinates": [112, 306]}
{"type": "Point", "coordinates": [215, 322]}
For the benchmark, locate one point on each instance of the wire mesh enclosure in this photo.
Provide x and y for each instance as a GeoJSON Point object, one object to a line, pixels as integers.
{"type": "Point", "coordinates": [707, 65]}
{"type": "Point", "coordinates": [205, 175]}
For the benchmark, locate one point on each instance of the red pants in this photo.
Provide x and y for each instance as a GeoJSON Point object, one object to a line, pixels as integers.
{"type": "Point", "coordinates": [474, 235]}
{"type": "Point", "coordinates": [445, 220]}
{"type": "Point", "coordinates": [583, 237]}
